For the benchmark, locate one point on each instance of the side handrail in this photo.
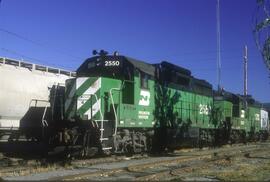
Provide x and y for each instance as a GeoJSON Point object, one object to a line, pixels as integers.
{"type": "Point", "coordinates": [43, 120]}
{"type": "Point", "coordinates": [114, 110]}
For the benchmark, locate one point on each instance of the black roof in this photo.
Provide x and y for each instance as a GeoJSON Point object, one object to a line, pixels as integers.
{"type": "Point", "coordinates": [142, 66]}
{"type": "Point", "coordinates": [138, 64]}
{"type": "Point", "coordinates": [226, 95]}
{"type": "Point", "coordinates": [179, 69]}
{"type": "Point", "coordinates": [202, 83]}
{"type": "Point", "coordinates": [235, 98]}
{"type": "Point", "coordinates": [95, 66]}
{"type": "Point", "coordinates": [99, 62]}
{"type": "Point", "coordinates": [266, 106]}
{"type": "Point", "coordinates": [252, 101]}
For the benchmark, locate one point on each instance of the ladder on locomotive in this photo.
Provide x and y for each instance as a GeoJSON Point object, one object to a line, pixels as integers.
{"type": "Point", "coordinates": [101, 125]}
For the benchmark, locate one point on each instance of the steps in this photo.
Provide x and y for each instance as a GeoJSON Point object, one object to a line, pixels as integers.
{"type": "Point", "coordinates": [106, 132]}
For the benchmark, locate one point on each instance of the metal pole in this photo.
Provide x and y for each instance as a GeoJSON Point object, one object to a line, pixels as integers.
{"type": "Point", "coordinates": [218, 47]}
{"type": "Point", "coordinates": [245, 70]}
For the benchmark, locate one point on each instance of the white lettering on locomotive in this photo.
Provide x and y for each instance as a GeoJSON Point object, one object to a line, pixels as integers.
{"type": "Point", "coordinates": [242, 114]}
{"type": "Point", "coordinates": [112, 63]}
{"type": "Point", "coordinates": [143, 114]}
{"type": "Point", "coordinates": [257, 117]}
{"type": "Point", "coordinates": [204, 109]}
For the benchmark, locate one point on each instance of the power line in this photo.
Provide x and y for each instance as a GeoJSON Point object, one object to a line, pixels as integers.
{"type": "Point", "coordinates": [79, 58]}
{"type": "Point", "coordinates": [201, 59]}
{"type": "Point", "coordinates": [212, 52]}
{"type": "Point", "coordinates": [61, 51]}
{"type": "Point", "coordinates": [58, 50]}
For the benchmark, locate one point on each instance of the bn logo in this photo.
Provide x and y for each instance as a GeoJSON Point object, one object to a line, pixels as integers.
{"type": "Point", "coordinates": [144, 98]}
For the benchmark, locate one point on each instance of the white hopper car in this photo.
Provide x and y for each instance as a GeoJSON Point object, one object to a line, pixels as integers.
{"type": "Point", "coordinates": [23, 85]}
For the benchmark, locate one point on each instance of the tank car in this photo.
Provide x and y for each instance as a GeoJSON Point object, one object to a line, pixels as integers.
{"type": "Point", "coordinates": [25, 99]}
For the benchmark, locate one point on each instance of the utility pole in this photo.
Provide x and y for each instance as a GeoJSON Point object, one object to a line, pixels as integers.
{"type": "Point", "coordinates": [245, 76]}
{"type": "Point", "coordinates": [245, 70]}
{"type": "Point", "coordinates": [218, 48]}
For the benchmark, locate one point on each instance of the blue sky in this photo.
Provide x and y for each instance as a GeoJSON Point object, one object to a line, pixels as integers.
{"type": "Point", "coordinates": [63, 33]}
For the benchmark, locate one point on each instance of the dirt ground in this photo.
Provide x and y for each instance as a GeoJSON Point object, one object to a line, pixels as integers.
{"type": "Point", "coordinates": [249, 162]}
{"type": "Point", "coordinates": [255, 167]}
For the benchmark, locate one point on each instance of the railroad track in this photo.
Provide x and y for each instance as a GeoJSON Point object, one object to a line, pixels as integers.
{"type": "Point", "coordinates": [179, 171]}
{"type": "Point", "coordinates": [168, 168]}
{"type": "Point", "coordinates": [20, 167]}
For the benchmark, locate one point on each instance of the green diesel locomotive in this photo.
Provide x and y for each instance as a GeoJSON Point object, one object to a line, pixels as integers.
{"type": "Point", "coordinates": [122, 105]}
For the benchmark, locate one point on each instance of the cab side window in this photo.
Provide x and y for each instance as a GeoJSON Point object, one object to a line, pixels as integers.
{"type": "Point", "coordinates": [144, 80]}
